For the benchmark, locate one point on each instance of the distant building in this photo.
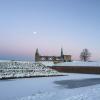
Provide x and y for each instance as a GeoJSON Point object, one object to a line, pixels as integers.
{"type": "Point", "coordinates": [55, 59]}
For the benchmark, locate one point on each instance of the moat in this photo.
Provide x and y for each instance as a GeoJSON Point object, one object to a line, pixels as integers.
{"type": "Point", "coordinates": [56, 88]}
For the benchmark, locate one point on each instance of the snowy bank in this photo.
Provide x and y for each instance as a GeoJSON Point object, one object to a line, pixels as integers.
{"type": "Point", "coordinates": [19, 69]}
{"type": "Point", "coordinates": [79, 63]}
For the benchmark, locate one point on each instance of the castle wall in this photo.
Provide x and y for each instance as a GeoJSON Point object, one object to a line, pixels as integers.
{"type": "Point", "coordinates": [79, 69]}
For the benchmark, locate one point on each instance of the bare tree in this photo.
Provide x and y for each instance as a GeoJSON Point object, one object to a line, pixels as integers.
{"type": "Point", "coordinates": [85, 55]}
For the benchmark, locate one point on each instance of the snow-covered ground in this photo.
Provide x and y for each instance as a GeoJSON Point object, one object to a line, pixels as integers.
{"type": "Point", "coordinates": [73, 63]}
{"type": "Point", "coordinates": [16, 69]}
{"type": "Point", "coordinates": [70, 87]}
{"type": "Point", "coordinates": [79, 63]}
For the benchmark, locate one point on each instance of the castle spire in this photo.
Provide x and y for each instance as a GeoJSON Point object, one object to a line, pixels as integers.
{"type": "Point", "coordinates": [37, 55]}
{"type": "Point", "coordinates": [62, 52]}
{"type": "Point", "coordinates": [37, 51]}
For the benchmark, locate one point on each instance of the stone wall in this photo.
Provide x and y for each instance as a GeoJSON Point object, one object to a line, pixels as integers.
{"type": "Point", "coordinates": [79, 69]}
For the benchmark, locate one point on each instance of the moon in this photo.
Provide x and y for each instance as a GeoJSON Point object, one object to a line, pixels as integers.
{"type": "Point", "coordinates": [34, 33]}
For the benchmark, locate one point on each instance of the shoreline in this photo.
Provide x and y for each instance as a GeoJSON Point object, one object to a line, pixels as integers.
{"type": "Point", "coordinates": [7, 78]}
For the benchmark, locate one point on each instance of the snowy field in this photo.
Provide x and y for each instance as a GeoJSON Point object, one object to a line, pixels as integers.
{"type": "Point", "coordinates": [19, 69]}
{"type": "Point", "coordinates": [70, 87]}
{"type": "Point", "coordinates": [79, 63]}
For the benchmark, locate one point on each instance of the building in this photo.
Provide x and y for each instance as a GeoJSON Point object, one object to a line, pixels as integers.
{"type": "Point", "coordinates": [55, 59]}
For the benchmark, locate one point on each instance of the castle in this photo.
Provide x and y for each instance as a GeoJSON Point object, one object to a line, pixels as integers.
{"type": "Point", "coordinates": [55, 59]}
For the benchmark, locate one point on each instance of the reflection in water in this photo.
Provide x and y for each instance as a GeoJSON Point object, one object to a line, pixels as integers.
{"type": "Point", "coordinates": [78, 83]}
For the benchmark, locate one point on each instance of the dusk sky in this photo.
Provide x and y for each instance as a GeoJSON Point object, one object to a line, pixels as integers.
{"type": "Point", "coordinates": [49, 25]}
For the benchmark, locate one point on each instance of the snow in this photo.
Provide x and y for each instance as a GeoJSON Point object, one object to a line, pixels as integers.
{"type": "Point", "coordinates": [70, 87]}
{"type": "Point", "coordinates": [47, 63]}
{"type": "Point", "coordinates": [15, 69]}
{"type": "Point", "coordinates": [79, 63]}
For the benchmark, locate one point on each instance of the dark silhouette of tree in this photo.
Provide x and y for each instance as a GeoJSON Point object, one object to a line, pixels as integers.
{"type": "Point", "coordinates": [85, 55]}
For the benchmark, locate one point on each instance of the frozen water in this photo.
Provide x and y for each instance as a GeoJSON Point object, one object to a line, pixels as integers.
{"type": "Point", "coordinates": [71, 87]}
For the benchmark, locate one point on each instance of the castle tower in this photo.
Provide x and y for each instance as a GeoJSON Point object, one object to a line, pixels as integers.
{"type": "Point", "coordinates": [37, 56]}
{"type": "Point", "coordinates": [62, 55]}
{"type": "Point", "coordinates": [62, 52]}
